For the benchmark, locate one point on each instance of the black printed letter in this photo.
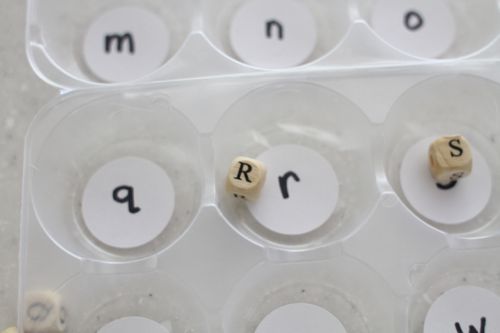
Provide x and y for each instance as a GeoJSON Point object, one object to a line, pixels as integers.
{"type": "Point", "coordinates": [269, 27]}
{"type": "Point", "coordinates": [127, 198]}
{"type": "Point", "coordinates": [413, 20]}
{"type": "Point", "coordinates": [455, 144]}
{"type": "Point", "coordinates": [472, 329]}
{"type": "Point", "coordinates": [39, 311]}
{"type": "Point", "coordinates": [283, 180]}
{"type": "Point", "coordinates": [244, 170]}
{"type": "Point", "coordinates": [120, 39]}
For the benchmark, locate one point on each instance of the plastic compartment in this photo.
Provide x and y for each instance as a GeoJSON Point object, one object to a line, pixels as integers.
{"type": "Point", "coordinates": [351, 292]}
{"type": "Point", "coordinates": [331, 22]}
{"type": "Point", "coordinates": [56, 53]}
{"type": "Point", "coordinates": [447, 105]}
{"type": "Point", "coordinates": [433, 29]}
{"type": "Point", "coordinates": [303, 115]}
{"type": "Point", "coordinates": [122, 125]}
{"type": "Point", "coordinates": [450, 270]}
{"type": "Point", "coordinates": [152, 295]}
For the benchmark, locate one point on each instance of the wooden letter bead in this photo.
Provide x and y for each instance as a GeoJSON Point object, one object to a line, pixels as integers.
{"type": "Point", "coordinates": [44, 313]}
{"type": "Point", "coordinates": [10, 330]}
{"type": "Point", "coordinates": [450, 159]}
{"type": "Point", "coordinates": [245, 178]}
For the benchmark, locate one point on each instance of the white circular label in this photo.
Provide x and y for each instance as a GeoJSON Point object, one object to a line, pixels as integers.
{"type": "Point", "coordinates": [466, 309]}
{"type": "Point", "coordinates": [125, 44]}
{"type": "Point", "coordinates": [300, 192]}
{"type": "Point", "coordinates": [133, 325]}
{"type": "Point", "coordinates": [128, 202]}
{"type": "Point", "coordinates": [457, 205]}
{"type": "Point", "coordinates": [273, 34]}
{"type": "Point", "coordinates": [300, 318]}
{"type": "Point", "coordinates": [425, 28]}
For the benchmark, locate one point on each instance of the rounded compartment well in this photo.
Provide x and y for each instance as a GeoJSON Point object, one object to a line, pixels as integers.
{"type": "Point", "coordinates": [154, 297]}
{"type": "Point", "coordinates": [74, 43]}
{"type": "Point", "coordinates": [447, 105]}
{"type": "Point", "coordinates": [111, 165]}
{"type": "Point", "coordinates": [455, 291]}
{"type": "Point", "coordinates": [339, 294]}
{"type": "Point", "coordinates": [315, 144]}
{"type": "Point", "coordinates": [276, 34]}
{"type": "Point", "coordinates": [433, 28]}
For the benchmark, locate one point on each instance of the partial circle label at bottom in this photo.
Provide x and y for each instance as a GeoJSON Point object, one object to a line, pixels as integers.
{"type": "Point", "coordinates": [300, 318]}
{"type": "Point", "coordinates": [133, 325]}
{"type": "Point", "coordinates": [465, 309]}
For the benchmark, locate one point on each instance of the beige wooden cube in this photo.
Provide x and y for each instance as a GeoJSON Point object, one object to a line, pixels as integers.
{"type": "Point", "coordinates": [450, 158]}
{"type": "Point", "coordinates": [44, 313]}
{"type": "Point", "coordinates": [245, 178]}
{"type": "Point", "coordinates": [10, 330]}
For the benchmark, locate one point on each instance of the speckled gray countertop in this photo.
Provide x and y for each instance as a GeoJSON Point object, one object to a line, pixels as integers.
{"type": "Point", "coordinates": [22, 94]}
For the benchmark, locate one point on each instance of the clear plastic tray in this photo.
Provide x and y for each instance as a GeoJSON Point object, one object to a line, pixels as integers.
{"type": "Point", "coordinates": [200, 45]}
{"type": "Point", "coordinates": [377, 263]}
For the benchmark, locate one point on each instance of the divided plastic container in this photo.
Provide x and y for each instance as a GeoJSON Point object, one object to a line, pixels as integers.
{"type": "Point", "coordinates": [392, 244]}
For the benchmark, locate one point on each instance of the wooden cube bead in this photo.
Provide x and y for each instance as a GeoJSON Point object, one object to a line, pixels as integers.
{"type": "Point", "coordinates": [44, 313]}
{"type": "Point", "coordinates": [10, 330]}
{"type": "Point", "coordinates": [245, 178]}
{"type": "Point", "coordinates": [450, 158]}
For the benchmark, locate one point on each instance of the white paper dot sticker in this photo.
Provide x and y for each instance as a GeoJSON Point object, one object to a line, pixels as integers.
{"type": "Point", "coordinates": [300, 192]}
{"type": "Point", "coordinates": [125, 44]}
{"type": "Point", "coordinates": [273, 34]}
{"type": "Point", "coordinates": [465, 309]}
{"type": "Point", "coordinates": [457, 205]}
{"type": "Point", "coordinates": [300, 318]}
{"type": "Point", "coordinates": [425, 28]}
{"type": "Point", "coordinates": [133, 325]}
{"type": "Point", "coordinates": [128, 202]}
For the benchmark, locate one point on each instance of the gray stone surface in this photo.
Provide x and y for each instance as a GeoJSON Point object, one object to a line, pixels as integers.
{"type": "Point", "coordinates": [21, 95]}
